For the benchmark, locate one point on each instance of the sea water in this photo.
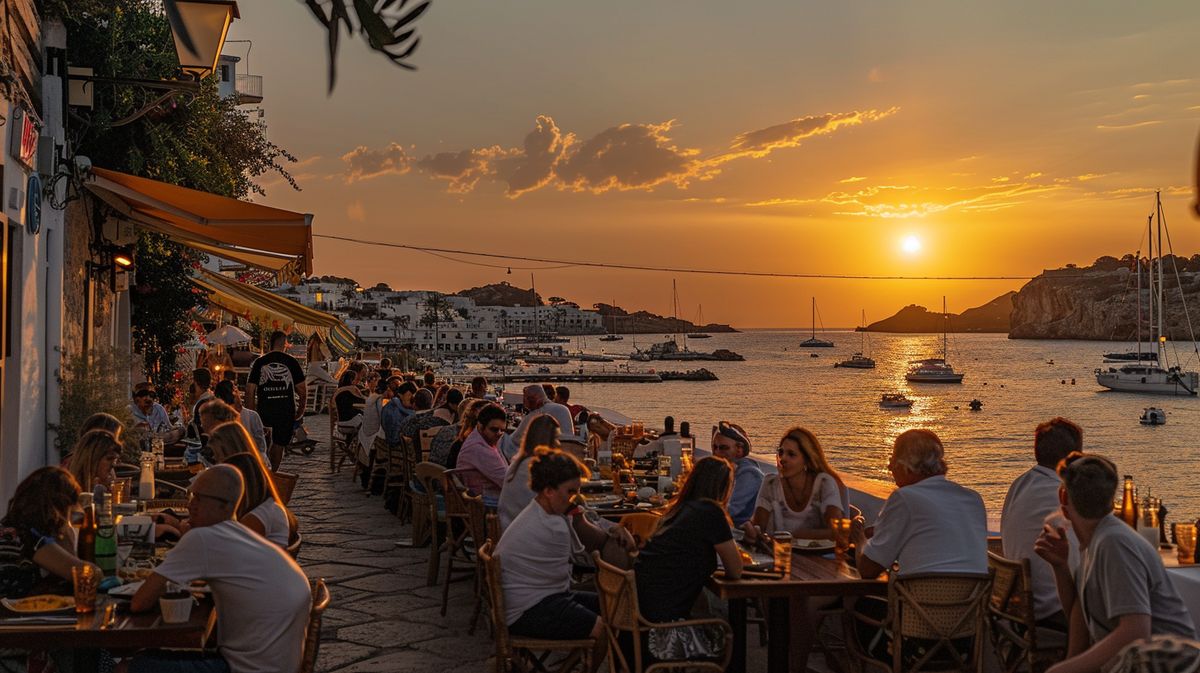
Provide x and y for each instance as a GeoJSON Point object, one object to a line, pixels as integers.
{"type": "Point", "coordinates": [780, 385]}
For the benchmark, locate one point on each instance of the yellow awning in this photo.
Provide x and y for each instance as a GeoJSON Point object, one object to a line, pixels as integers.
{"type": "Point", "coordinates": [249, 233]}
{"type": "Point", "coordinates": [257, 304]}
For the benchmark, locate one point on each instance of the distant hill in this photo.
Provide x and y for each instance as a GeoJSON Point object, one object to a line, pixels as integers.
{"type": "Point", "coordinates": [991, 317]}
{"type": "Point", "coordinates": [502, 294]}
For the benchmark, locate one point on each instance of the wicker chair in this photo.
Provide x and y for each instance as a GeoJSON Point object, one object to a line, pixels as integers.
{"type": "Point", "coordinates": [517, 653]}
{"type": "Point", "coordinates": [285, 484]}
{"type": "Point", "coordinates": [619, 607]}
{"type": "Point", "coordinates": [481, 531]}
{"type": "Point", "coordinates": [430, 477]}
{"type": "Point", "coordinates": [1015, 633]}
{"type": "Point", "coordinates": [293, 548]}
{"type": "Point", "coordinates": [179, 504]}
{"type": "Point", "coordinates": [427, 436]}
{"type": "Point", "coordinates": [937, 610]}
{"type": "Point", "coordinates": [341, 446]}
{"type": "Point", "coordinates": [457, 510]}
{"type": "Point", "coordinates": [312, 634]}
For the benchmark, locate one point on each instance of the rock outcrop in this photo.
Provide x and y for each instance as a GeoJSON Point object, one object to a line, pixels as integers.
{"type": "Point", "coordinates": [912, 319]}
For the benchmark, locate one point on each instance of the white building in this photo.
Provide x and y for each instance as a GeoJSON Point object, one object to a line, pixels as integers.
{"type": "Point", "coordinates": [373, 332]}
{"type": "Point", "coordinates": [527, 320]}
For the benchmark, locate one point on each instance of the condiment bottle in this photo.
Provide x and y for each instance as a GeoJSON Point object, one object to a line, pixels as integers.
{"type": "Point", "coordinates": [86, 547]}
{"type": "Point", "coordinates": [1128, 503]}
{"type": "Point", "coordinates": [146, 478]}
{"type": "Point", "coordinates": [106, 540]}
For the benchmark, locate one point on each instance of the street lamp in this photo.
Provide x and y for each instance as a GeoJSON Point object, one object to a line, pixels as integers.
{"type": "Point", "coordinates": [200, 35]}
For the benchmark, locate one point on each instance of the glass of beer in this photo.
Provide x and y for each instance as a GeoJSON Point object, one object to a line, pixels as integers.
{"type": "Point", "coordinates": [86, 579]}
{"type": "Point", "coordinates": [841, 535]}
{"type": "Point", "coordinates": [782, 548]}
{"type": "Point", "coordinates": [1185, 542]}
{"type": "Point", "coordinates": [120, 490]}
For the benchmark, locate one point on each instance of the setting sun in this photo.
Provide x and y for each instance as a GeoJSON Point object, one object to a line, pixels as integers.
{"type": "Point", "coordinates": [911, 245]}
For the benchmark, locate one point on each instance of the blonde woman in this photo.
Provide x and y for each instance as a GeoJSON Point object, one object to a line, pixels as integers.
{"type": "Point", "coordinates": [803, 496]}
{"type": "Point", "coordinates": [228, 439]}
{"type": "Point", "coordinates": [93, 458]}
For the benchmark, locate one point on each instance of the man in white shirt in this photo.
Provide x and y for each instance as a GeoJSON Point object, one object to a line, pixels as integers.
{"type": "Point", "coordinates": [1031, 501]}
{"type": "Point", "coordinates": [249, 418]}
{"type": "Point", "coordinates": [262, 596]}
{"type": "Point", "coordinates": [537, 404]}
{"type": "Point", "coordinates": [146, 410]}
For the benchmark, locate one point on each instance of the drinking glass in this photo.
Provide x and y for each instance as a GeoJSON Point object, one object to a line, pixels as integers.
{"type": "Point", "coordinates": [120, 491]}
{"type": "Point", "coordinates": [841, 535]}
{"type": "Point", "coordinates": [86, 579]}
{"type": "Point", "coordinates": [782, 547]}
{"type": "Point", "coordinates": [1185, 541]}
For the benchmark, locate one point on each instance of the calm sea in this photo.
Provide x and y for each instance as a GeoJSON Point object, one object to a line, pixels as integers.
{"type": "Point", "coordinates": [1020, 383]}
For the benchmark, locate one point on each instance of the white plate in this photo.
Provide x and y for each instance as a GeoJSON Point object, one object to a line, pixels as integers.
{"type": "Point", "coordinates": [812, 545]}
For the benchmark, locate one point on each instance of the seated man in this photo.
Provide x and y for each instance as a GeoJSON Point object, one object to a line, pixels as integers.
{"type": "Point", "coordinates": [146, 410]}
{"type": "Point", "coordinates": [262, 596]}
{"type": "Point", "coordinates": [399, 408]}
{"type": "Point", "coordinates": [537, 403]}
{"type": "Point", "coordinates": [1120, 593]}
{"type": "Point", "coordinates": [731, 443]}
{"type": "Point", "coordinates": [929, 524]}
{"type": "Point", "coordinates": [1031, 500]}
{"type": "Point", "coordinates": [481, 466]}
{"type": "Point", "coordinates": [535, 556]}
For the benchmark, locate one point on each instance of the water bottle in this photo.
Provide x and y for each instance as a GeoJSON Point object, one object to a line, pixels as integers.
{"type": "Point", "coordinates": [146, 478]}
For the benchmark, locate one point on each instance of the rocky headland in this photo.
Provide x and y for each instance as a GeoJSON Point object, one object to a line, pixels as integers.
{"type": "Point", "coordinates": [912, 319]}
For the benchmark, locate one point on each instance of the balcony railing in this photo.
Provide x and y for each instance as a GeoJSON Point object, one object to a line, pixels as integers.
{"type": "Point", "coordinates": [249, 88]}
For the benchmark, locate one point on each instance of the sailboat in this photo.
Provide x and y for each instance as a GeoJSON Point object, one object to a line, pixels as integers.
{"type": "Point", "coordinates": [814, 342]}
{"type": "Point", "coordinates": [1157, 376]}
{"type": "Point", "coordinates": [935, 370]}
{"type": "Point", "coordinates": [613, 327]}
{"type": "Point", "coordinates": [699, 323]}
{"type": "Point", "coordinates": [858, 360]}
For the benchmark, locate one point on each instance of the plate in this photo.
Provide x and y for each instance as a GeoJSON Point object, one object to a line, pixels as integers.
{"type": "Point", "coordinates": [812, 545]}
{"type": "Point", "coordinates": [604, 500]}
{"type": "Point", "coordinates": [45, 603]}
{"type": "Point", "coordinates": [128, 590]}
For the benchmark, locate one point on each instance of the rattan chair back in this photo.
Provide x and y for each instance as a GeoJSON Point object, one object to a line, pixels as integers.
{"type": "Point", "coordinates": [312, 634]}
{"type": "Point", "coordinates": [939, 609]}
{"type": "Point", "coordinates": [1014, 628]}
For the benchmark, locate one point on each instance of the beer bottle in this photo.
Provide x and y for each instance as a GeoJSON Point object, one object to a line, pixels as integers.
{"type": "Point", "coordinates": [1129, 503]}
{"type": "Point", "coordinates": [106, 540]}
{"type": "Point", "coordinates": [86, 549]}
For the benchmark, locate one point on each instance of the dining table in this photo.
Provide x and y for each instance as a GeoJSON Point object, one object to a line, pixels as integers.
{"type": "Point", "coordinates": [111, 627]}
{"type": "Point", "coordinates": [824, 575]}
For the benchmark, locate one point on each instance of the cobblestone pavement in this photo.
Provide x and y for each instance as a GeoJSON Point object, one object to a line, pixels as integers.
{"type": "Point", "coordinates": [382, 616]}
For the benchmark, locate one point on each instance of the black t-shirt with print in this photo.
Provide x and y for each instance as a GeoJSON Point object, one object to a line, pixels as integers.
{"type": "Point", "coordinates": [276, 375]}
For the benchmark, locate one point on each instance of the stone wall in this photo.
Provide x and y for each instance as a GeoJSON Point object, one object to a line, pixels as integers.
{"type": "Point", "coordinates": [76, 288]}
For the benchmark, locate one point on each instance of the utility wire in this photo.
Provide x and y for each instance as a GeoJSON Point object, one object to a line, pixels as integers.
{"type": "Point", "coordinates": [562, 263]}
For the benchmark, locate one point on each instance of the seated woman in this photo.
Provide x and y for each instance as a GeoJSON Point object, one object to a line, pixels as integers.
{"type": "Point", "coordinates": [93, 458]}
{"type": "Point", "coordinates": [445, 406]}
{"type": "Point", "coordinates": [515, 493]}
{"type": "Point", "coordinates": [97, 421]}
{"type": "Point", "coordinates": [803, 496]}
{"type": "Point", "coordinates": [228, 439]}
{"type": "Point", "coordinates": [349, 401]}
{"type": "Point", "coordinates": [682, 554]}
{"type": "Point", "coordinates": [36, 533]}
{"type": "Point", "coordinates": [444, 448]}
{"type": "Point", "coordinates": [261, 509]}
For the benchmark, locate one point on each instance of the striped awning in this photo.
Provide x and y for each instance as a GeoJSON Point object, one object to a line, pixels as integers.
{"type": "Point", "coordinates": [258, 305]}
{"type": "Point", "coordinates": [248, 233]}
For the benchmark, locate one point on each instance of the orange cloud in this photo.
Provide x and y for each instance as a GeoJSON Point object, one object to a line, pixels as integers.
{"type": "Point", "coordinates": [790, 134]}
{"type": "Point", "coordinates": [364, 163]}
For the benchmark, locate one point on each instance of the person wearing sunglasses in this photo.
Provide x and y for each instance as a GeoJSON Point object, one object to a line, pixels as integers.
{"type": "Point", "coordinates": [262, 596]}
{"type": "Point", "coordinates": [1120, 593]}
{"type": "Point", "coordinates": [146, 410]}
{"type": "Point", "coordinates": [729, 441]}
{"type": "Point", "coordinates": [481, 466]}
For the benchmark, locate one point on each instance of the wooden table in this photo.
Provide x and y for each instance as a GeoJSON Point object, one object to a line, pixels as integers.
{"type": "Point", "coordinates": [126, 632]}
{"type": "Point", "coordinates": [811, 576]}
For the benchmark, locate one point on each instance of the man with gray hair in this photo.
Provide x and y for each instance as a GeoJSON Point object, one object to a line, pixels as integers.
{"type": "Point", "coordinates": [537, 404]}
{"type": "Point", "coordinates": [262, 596]}
{"type": "Point", "coordinates": [929, 524]}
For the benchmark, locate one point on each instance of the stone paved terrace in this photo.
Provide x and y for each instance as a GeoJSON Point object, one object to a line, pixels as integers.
{"type": "Point", "coordinates": [382, 617]}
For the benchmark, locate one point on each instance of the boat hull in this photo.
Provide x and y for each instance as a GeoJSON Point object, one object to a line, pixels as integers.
{"type": "Point", "coordinates": [934, 378]}
{"type": "Point", "coordinates": [851, 364]}
{"type": "Point", "coordinates": [1181, 383]}
{"type": "Point", "coordinates": [816, 343]}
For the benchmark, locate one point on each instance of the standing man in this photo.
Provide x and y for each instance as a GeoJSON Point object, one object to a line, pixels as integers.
{"type": "Point", "coordinates": [275, 380]}
{"type": "Point", "coordinates": [731, 443]}
{"type": "Point", "coordinates": [1031, 501]}
{"type": "Point", "coordinates": [1120, 593]}
{"type": "Point", "coordinates": [201, 393]}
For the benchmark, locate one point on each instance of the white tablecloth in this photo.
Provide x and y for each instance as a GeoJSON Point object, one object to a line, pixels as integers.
{"type": "Point", "coordinates": [1186, 580]}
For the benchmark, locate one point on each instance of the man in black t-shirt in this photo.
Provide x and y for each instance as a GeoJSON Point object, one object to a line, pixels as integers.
{"type": "Point", "coordinates": [275, 380]}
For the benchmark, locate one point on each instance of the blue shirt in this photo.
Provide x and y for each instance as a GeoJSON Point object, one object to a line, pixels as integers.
{"type": "Point", "coordinates": [156, 420]}
{"type": "Point", "coordinates": [747, 479]}
{"type": "Point", "coordinates": [391, 417]}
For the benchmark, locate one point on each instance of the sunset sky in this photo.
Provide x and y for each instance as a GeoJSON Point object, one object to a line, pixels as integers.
{"type": "Point", "coordinates": [767, 136]}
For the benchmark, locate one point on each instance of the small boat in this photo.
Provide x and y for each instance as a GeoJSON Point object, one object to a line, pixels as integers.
{"type": "Point", "coordinates": [1153, 416]}
{"type": "Point", "coordinates": [612, 337]}
{"type": "Point", "coordinates": [814, 342]}
{"type": "Point", "coordinates": [699, 323]}
{"type": "Point", "coordinates": [895, 401]}
{"type": "Point", "coordinates": [858, 360]}
{"type": "Point", "coordinates": [934, 370]}
{"type": "Point", "coordinates": [975, 405]}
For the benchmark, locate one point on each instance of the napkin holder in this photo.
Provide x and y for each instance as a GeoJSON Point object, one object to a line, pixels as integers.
{"type": "Point", "coordinates": [137, 528]}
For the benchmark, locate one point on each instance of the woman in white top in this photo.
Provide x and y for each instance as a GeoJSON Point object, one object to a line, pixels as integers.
{"type": "Point", "coordinates": [317, 356]}
{"type": "Point", "coordinates": [804, 495]}
{"type": "Point", "coordinates": [515, 492]}
{"type": "Point", "coordinates": [261, 509]}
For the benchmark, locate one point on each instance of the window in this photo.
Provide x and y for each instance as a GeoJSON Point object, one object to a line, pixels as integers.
{"type": "Point", "coordinates": [224, 73]}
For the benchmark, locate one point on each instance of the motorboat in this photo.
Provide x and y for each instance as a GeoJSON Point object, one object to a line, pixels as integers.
{"type": "Point", "coordinates": [814, 342]}
{"type": "Point", "coordinates": [612, 337]}
{"type": "Point", "coordinates": [975, 405]}
{"type": "Point", "coordinates": [1153, 416]}
{"type": "Point", "coordinates": [934, 370]}
{"type": "Point", "coordinates": [1154, 374]}
{"type": "Point", "coordinates": [895, 401]}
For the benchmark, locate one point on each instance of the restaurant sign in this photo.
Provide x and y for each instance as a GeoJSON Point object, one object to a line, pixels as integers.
{"type": "Point", "coordinates": [23, 137]}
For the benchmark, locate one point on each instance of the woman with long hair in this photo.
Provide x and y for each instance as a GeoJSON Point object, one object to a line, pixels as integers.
{"type": "Point", "coordinates": [515, 492]}
{"type": "Point", "coordinates": [36, 531]}
{"type": "Point", "coordinates": [349, 399]}
{"type": "Point", "coordinates": [805, 494]}
{"type": "Point", "coordinates": [679, 558]}
{"type": "Point", "coordinates": [228, 439]}
{"type": "Point", "coordinates": [261, 509]}
{"type": "Point", "coordinates": [93, 458]}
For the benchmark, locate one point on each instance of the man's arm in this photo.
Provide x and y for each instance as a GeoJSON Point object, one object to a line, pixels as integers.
{"type": "Point", "coordinates": [1130, 628]}
{"type": "Point", "coordinates": [148, 594]}
{"type": "Point", "coordinates": [251, 401]}
{"type": "Point", "coordinates": [302, 391]}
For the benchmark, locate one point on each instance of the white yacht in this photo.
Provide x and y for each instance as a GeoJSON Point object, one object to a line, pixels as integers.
{"type": "Point", "coordinates": [814, 342]}
{"type": "Point", "coordinates": [1158, 376]}
{"type": "Point", "coordinates": [935, 370]}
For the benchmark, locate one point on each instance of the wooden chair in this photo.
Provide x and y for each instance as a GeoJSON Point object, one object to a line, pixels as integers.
{"type": "Point", "coordinates": [1014, 629]}
{"type": "Point", "coordinates": [481, 532]}
{"type": "Point", "coordinates": [457, 515]}
{"type": "Point", "coordinates": [995, 544]}
{"type": "Point", "coordinates": [427, 436]}
{"type": "Point", "coordinates": [312, 634]}
{"type": "Point", "coordinates": [619, 607]}
{"type": "Point", "coordinates": [934, 610]}
{"type": "Point", "coordinates": [518, 653]}
{"type": "Point", "coordinates": [341, 446]}
{"type": "Point", "coordinates": [641, 525]}
{"type": "Point", "coordinates": [402, 466]}
{"type": "Point", "coordinates": [430, 477]}
{"type": "Point", "coordinates": [285, 484]}
{"type": "Point", "coordinates": [293, 548]}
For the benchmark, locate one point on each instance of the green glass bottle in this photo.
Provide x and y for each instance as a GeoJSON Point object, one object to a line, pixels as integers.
{"type": "Point", "coordinates": [106, 540]}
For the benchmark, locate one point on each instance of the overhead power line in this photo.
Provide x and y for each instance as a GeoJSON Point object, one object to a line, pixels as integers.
{"type": "Point", "coordinates": [564, 263]}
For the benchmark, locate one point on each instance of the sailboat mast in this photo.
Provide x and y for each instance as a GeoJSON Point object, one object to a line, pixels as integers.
{"type": "Point", "coordinates": [814, 317]}
{"type": "Point", "coordinates": [945, 327]}
{"type": "Point", "coordinates": [862, 336]}
{"type": "Point", "coordinates": [1158, 212]}
{"type": "Point", "coordinates": [1138, 264]}
{"type": "Point", "coordinates": [1150, 278]}
{"type": "Point", "coordinates": [537, 327]}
